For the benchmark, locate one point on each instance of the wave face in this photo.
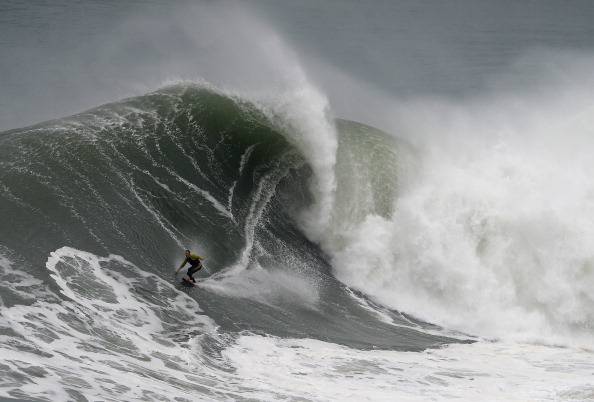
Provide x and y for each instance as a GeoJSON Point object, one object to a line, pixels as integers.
{"type": "Point", "coordinates": [99, 208]}
{"type": "Point", "coordinates": [147, 176]}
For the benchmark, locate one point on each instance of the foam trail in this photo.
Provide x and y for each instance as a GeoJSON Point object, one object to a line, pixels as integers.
{"type": "Point", "coordinates": [262, 196]}
{"type": "Point", "coordinates": [244, 158]}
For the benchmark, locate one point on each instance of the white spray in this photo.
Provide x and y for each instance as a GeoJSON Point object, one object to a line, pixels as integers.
{"type": "Point", "coordinates": [495, 235]}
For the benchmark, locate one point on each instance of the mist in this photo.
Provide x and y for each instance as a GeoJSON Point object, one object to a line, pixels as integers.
{"type": "Point", "coordinates": [61, 60]}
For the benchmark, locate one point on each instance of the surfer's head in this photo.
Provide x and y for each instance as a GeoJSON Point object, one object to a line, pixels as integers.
{"type": "Point", "coordinates": [187, 253]}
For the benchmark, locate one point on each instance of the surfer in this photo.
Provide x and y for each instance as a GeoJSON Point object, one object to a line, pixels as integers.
{"type": "Point", "coordinates": [195, 262]}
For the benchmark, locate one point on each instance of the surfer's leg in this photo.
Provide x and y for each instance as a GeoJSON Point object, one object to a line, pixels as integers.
{"type": "Point", "coordinates": [191, 271]}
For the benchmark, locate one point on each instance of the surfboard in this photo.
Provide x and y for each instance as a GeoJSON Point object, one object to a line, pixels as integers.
{"type": "Point", "coordinates": [186, 282]}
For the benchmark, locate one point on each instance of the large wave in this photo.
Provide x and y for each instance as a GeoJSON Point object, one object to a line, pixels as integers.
{"type": "Point", "coordinates": [249, 184]}
{"type": "Point", "coordinates": [456, 236]}
{"type": "Point", "coordinates": [190, 166]}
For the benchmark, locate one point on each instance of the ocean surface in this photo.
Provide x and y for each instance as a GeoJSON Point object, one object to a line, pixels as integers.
{"type": "Point", "coordinates": [395, 200]}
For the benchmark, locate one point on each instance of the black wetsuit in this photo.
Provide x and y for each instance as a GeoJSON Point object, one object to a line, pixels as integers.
{"type": "Point", "coordinates": [195, 265]}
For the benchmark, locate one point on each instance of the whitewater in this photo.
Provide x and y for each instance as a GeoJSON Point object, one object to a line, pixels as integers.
{"type": "Point", "coordinates": [414, 248]}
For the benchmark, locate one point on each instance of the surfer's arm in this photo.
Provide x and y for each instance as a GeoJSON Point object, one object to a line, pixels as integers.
{"type": "Point", "coordinates": [182, 265]}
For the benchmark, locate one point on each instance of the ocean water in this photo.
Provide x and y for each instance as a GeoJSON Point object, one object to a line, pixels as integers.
{"type": "Point", "coordinates": [394, 200]}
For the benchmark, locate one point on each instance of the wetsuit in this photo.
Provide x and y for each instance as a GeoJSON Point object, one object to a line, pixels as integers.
{"type": "Point", "coordinates": [195, 265]}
